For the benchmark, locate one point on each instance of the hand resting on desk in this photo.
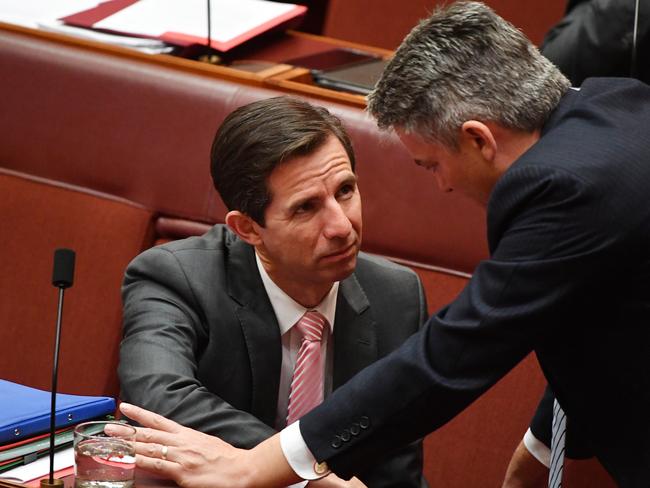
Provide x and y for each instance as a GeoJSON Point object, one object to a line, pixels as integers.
{"type": "Point", "coordinates": [197, 460]}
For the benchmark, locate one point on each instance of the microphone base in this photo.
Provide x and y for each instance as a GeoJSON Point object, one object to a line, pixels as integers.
{"type": "Point", "coordinates": [45, 483]}
{"type": "Point", "coordinates": [210, 58]}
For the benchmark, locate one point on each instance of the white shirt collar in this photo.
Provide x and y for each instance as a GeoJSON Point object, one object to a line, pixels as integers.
{"type": "Point", "coordinates": [287, 310]}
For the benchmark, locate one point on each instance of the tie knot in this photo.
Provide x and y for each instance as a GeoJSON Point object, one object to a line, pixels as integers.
{"type": "Point", "coordinates": [311, 326]}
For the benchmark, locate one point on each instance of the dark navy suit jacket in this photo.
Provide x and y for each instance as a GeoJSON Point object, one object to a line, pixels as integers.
{"type": "Point", "coordinates": [568, 277]}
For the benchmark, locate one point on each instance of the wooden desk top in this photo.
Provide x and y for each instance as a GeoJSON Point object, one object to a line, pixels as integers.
{"type": "Point", "coordinates": [257, 63]}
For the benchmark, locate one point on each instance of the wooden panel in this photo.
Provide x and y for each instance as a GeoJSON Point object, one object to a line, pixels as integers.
{"type": "Point", "coordinates": [384, 23]}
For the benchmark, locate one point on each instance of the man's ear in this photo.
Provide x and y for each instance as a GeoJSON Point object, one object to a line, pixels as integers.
{"type": "Point", "coordinates": [479, 137]}
{"type": "Point", "coordinates": [244, 226]}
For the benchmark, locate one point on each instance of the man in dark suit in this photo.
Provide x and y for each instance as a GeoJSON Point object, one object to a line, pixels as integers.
{"type": "Point", "coordinates": [209, 336]}
{"type": "Point", "coordinates": [601, 38]}
{"type": "Point", "coordinates": [564, 176]}
{"type": "Point", "coordinates": [594, 38]}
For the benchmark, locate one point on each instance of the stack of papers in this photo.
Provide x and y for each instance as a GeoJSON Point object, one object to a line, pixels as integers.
{"type": "Point", "coordinates": [30, 13]}
{"type": "Point", "coordinates": [185, 22]}
{"type": "Point", "coordinates": [45, 15]}
{"type": "Point", "coordinates": [154, 25]}
{"type": "Point", "coordinates": [25, 423]}
{"type": "Point", "coordinates": [28, 450]}
{"type": "Point", "coordinates": [148, 46]}
{"type": "Point", "coordinates": [32, 472]}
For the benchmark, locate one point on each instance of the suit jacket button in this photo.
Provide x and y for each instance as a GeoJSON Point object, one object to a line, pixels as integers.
{"type": "Point", "coordinates": [345, 435]}
{"type": "Point", "coordinates": [336, 443]}
{"type": "Point", "coordinates": [355, 429]}
{"type": "Point", "coordinates": [364, 422]}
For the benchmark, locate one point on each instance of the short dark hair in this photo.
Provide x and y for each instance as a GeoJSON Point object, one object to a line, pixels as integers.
{"type": "Point", "coordinates": [255, 138]}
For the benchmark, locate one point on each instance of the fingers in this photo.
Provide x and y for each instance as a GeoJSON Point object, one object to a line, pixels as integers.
{"type": "Point", "coordinates": [145, 435]}
{"type": "Point", "coordinates": [149, 419]}
{"type": "Point", "coordinates": [157, 429]}
{"type": "Point", "coordinates": [156, 451]}
{"type": "Point", "coordinates": [123, 431]}
{"type": "Point", "coordinates": [167, 468]}
{"type": "Point", "coordinates": [157, 458]}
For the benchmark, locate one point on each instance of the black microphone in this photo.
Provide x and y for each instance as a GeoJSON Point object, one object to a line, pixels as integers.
{"type": "Point", "coordinates": [63, 272]}
{"type": "Point", "coordinates": [62, 278]}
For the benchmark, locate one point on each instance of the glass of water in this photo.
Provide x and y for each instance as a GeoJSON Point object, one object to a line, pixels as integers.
{"type": "Point", "coordinates": [104, 455]}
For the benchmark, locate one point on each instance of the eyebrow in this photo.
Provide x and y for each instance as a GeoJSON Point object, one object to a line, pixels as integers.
{"type": "Point", "coordinates": [350, 179]}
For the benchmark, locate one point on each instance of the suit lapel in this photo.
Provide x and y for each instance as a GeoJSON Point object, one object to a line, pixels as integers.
{"type": "Point", "coordinates": [355, 332]}
{"type": "Point", "coordinates": [259, 327]}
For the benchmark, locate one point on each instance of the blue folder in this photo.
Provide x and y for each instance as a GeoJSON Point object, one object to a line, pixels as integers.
{"type": "Point", "coordinates": [25, 411]}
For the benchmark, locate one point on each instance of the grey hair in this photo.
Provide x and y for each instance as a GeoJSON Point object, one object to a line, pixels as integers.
{"type": "Point", "coordinates": [465, 63]}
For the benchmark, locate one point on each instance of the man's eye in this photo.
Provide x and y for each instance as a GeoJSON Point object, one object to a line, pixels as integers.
{"type": "Point", "coordinates": [305, 207]}
{"type": "Point", "coordinates": [346, 190]}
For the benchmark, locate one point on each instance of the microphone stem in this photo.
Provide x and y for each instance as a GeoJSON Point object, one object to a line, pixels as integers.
{"type": "Point", "coordinates": [209, 40]}
{"type": "Point", "coordinates": [55, 373]}
{"type": "Point", "coordinates": [633, 68]}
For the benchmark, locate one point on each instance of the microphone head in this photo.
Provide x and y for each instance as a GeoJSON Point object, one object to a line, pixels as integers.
{"type": "Point", "coordinates": [63, 273]}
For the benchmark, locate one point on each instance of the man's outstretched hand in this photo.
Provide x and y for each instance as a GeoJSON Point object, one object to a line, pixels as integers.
{"type": "Point", "coordinates": [196, 460]}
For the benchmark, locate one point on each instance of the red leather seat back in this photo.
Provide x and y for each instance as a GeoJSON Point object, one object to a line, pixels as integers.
{"type": "Point", "coordinates": [106, 233]}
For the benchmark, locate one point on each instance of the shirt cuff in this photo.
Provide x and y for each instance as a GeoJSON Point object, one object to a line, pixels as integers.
{"type": "Point", "coordinates": [298, 454]}
{"type": "Point", "coordinates": [537, 448]}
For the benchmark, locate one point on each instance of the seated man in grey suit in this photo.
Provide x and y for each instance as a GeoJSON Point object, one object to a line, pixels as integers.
{"type": "Point", "coordinates": [209, 322]}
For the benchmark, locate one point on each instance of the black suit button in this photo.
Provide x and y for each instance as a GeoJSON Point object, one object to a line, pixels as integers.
{"type": "Point", "coordinates": [336, 443]}
{"type": "Point", "coordinates": [364, 422]}
{"type": "Point", "coordinates": [345, 435]}
{"type": "Point", "coordinates": [355, 429]}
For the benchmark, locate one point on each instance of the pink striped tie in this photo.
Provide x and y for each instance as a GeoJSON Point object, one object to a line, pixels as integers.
{"type": "Point", "coordinates": [307, 382]}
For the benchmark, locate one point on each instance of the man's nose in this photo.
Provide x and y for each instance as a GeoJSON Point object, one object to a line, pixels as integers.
{"type": "Point", "coordinates": [337, 223]}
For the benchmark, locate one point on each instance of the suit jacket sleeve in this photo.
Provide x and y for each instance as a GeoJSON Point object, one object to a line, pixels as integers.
{"type": "Point", "coordinates": [550, 238]}
{"type": "Point", "coordinates": [164, 332]}
{"type": "Point", "coordinates": [404, 466]}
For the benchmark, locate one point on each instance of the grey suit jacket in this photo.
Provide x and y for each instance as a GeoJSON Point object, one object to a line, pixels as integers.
{"type": "Point", "coordinates": [202, 345]}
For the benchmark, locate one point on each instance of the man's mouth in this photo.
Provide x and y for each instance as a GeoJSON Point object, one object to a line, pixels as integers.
{"type": "Point", "coordinates": [343, 252]}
